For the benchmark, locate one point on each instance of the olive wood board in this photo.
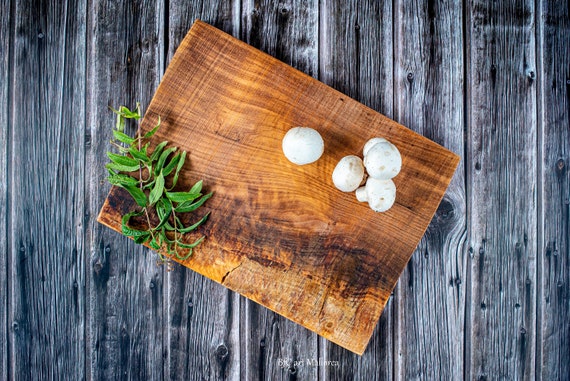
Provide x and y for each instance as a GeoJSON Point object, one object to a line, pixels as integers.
{"type": "Point", "coordinates": [280, 234]}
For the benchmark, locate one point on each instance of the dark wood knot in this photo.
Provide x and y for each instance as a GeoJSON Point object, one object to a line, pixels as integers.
{"type": "Point", "coordinates": [560, 168]}
{"type": "Point", "coordinates": [445, 211]}
{"type": "Point", "coordinates": [222, 352]}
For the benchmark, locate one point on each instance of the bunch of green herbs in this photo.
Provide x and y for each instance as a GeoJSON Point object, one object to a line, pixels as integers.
{"type": "Point", "coordinates": [150, 177]}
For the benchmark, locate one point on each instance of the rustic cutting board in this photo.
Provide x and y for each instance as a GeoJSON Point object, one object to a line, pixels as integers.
{"type": "Point", "coordinates": [281, 234]}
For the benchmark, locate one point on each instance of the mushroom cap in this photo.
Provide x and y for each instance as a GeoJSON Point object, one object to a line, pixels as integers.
{"type": "Point", "coordinates": [383, 161]}
{"type": "Point", "coordinates": [370, 143]}
{"type": "Point", "coordinates": [381, 194]}
{"type": "Point", "coordinates": [348, 173]}
{"type": "Point", "coordinates": [302, 145]}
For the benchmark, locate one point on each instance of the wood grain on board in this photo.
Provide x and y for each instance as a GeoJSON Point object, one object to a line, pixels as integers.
{"type": "Point", "coordinates": [281, 234]}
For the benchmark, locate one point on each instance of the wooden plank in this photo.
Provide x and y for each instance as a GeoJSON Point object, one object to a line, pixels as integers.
{"type": "Point", "coordinates": [428, 85]}
{"type": "Point", "coordinates": [203, 341]}
{"type": "Point", "coordinates": [275, 348]}
{"type": "Point", "coordinates": [356, 51]}
{"type": "Point", "coordinates": [305, 248]}
{"type": "Point", "coordinates": [6, 29]}
{"type": "Point", "coordinates": [47, 299]}
{"type": "Point", "coordinates": [502, 176]}
{"type": "Point", "coordinates": [553, 298]}
{"type": "Point", "coordinates": [125, 287]}
{"type": "Point", "coordinates": [356, 58]}
{"type": "Point", "coordinates": [181, 15]}
{"type": "Point", "coordinates": [286, 30]}
{"type": "Point", "coordinates": [203, 317]}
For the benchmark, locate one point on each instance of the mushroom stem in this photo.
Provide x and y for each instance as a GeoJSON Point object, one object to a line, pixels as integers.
{"type": "Point", "coordinates": [361, 194]}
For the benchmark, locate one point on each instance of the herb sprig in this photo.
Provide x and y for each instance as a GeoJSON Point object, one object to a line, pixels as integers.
{"type": "Point", "coordinates": [150, 177]}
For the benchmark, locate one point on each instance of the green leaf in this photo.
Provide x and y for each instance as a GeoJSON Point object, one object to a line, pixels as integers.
{"type": "Point", "coordinates": [130, 232]}
{"type": "Point", "coordinates": [158, 151]}
{"type": "Point", "coordinates": [171, 165]}
{"type": "Point", "coordinates": [137, 194]}
{"type": "Point", "coordinates": [178, 168]}
{"type": "Point", "coordinates": [181, 197]}
{"type": "Point", "coordinates": [168, 227]}
{"type": "Point", "coordinates": [140, 239]}
{"type": "Point", "coordinates": [162, 159]}
{"type": "Point", "coordinates": [134, 114]}
{"type": "Point", "coordinates": [163, 238]}
{"type": "Point", "coordinates": [197, 188]}
{"type": "Point", "coordinates": [189, 206]}
{"type": "Point", "coordinates": [122, 168]}
{"type": "Point", "coordinates": [151, 133]}
{"type": "Point", "coordinates": [123, 160]}
{"type": "Point", "coordinates": [120, 123]}
{"type": "Point", "coordinates": [139, 155]}
{"type": "Point", "coordinates": [191, 245]}
{"type": "Point", "coordinates": [122, 137]}
{"type": "Point", "coordinates": [120, 179]}
{"type": "Point", "coordinates": [126, 218]}
{"type": "Point", "coordinates": [157, 190]}
{"type": "Point", "coordinates": [154, 245]}
{"type": "Point", "coordinates": [192, 227]}
{"type": "Point", "coordinates": [163, 210]}
{"type": "Point", "coordinates": [145, 149]}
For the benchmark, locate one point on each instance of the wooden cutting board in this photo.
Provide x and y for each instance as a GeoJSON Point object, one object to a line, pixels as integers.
{"type": "Point", "coordinates": [281, 234]}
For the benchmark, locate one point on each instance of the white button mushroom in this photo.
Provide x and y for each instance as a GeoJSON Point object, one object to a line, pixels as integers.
{"type": "Point", "coordinates": [369, 144]}
{"type": "Point", "coordinates": [382, 159]}
{"type": "Point", "coordinates": [348, 173]}
{"type": "Point", "coordinates": [380, 194]}
{"type": "Point", "coordinates": [302, 145]}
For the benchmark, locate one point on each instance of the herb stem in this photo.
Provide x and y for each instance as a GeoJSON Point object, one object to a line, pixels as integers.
{"type": "Point", "coordinates": [175, 230]}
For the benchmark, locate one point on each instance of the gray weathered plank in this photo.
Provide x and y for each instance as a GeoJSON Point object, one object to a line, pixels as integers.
{"type": "Point", "coordinates": [223, 14]}
{"type": "Point", "coordinates": [502, 174]}
{"type": "Point", "coordinates": [125, 286]}
{"type": "Point", "coordinates": [430, 296]}
{"type": "Point", "coordinates": [356, 51]}
{"type": "Point", "coordinates": [553, 296]}
{"type": "Point", "coordinates": [356, 58]}
{"type": "Point", "coordinates": [203, 328]}
{"type": "Point", "coordinates": [203, 316]}
{"type": "Point", "coordinates": [5, 81]}
{"type": "Point", "coordinates": [276, 348]}
{"type": "Point", "coordinates": [287, 30]}
{"type": "Point", "coordinates": [47, 299]}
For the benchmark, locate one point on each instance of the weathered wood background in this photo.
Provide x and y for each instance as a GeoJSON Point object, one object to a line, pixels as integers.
{"type": "Point", "coordinates": [485, 296]}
